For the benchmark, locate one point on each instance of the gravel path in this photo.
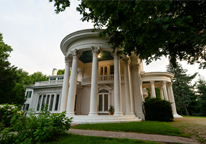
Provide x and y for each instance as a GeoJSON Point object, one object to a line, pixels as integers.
{"type": "Point", "coordinates": [130, 135]}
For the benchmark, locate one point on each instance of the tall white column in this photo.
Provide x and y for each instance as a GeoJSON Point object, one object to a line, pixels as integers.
{"type": "Point", "coordinates": [117, 86]}
{"type": "Point", "coordinates": [137, 89]}
{"type": "Point", "coordinates": [172, 100]}
{"type": "Point", "coordinates": [161, 93]}
{"type": "Point", "coordinates": [65, 85]}
{"type": "Point", "coordinates": [73, 84]}
{"type": "Point", "coordinates": [94, 82]}
{"type": "Point", "coordinates": [153, 93]}
{"type": "Point", "coordinates": [128, 89]}
{"type": "Point", "coordinates": [165, 90]}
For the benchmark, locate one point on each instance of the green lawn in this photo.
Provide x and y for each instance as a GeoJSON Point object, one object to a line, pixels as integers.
{"type": "Point", "coordinates": [78, 139]}
{"type": "Point", "coordinates": [148, 127]}
{"type": "Point", "coordinates": [195, 116]}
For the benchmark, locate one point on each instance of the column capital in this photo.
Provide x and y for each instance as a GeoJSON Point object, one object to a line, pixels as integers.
{"type": "Point", "coordinates": [152, 82]}
{"type": "Point", "coordinates": [164, 82]}
{"type": "Point", "coordinates": [95, 50]}
{"type": "Point", "coordinates": [76, 53]}
{"type": "Point", "coordinates": [126, 60]}
{"type": "Point", "coordinates": [68, 59]}
{"type": "Point", "coordinates": [134, 66]}
{"type": "Point", "coordinates": [116, 54]}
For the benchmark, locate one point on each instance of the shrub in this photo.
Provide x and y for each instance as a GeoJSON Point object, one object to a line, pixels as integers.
{"type": "Point", "coordinates": [36, 129]}
{"type": "Point", "coordinates": [158, 110]}
{"type": "Point", "coordinates": [6, 113]}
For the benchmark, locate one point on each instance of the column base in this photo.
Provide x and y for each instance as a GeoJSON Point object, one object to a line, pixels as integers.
{"type": "Point", "coordinates": [93, 114]}
{"type": "Point", "coordinates": [70, 114]}
{"type": "Point", "coordinates": [177, 115]}
{"type": "Point", "coordinates": [118, 114]}
{"type": "Point", "coordinates": [140, 116]}
{"type": "Point", "coordinates": [130, 114]}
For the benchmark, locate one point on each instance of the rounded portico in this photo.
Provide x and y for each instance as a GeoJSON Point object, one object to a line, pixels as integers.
{"type": "Point", "coordinates": [163, 81]}
{"type": "Point", "coordinates": [76, 47]}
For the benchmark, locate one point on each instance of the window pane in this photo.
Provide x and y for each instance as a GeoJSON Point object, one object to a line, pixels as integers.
{"type": "Point", "coordinates": [27, 107]}
{"type": "Point", "coordinates": [30, 92]}
{"type": "Point", "coordinates": [57, 102]}
{"type": "Point", "coordinates": [43, 102]}
{"type": "Point", "coordinates": [27, 94]}
{"type": "Point", "coordinates": [100, 102]}
{"type": "Point", "coordinates": [105, 102]}
{"type": "Point", "coordinates": [51, 102]}
{"type": "Point", "coordinates": [101, 71]}
{"type": "Point", "coordinates": [47, 101]}
{"type": "Point", "coordinates": [39, 103]}
{"type": "Point", "coordinates": [105, 71]}
{"type": "Point", "coordinates": [112, 69]}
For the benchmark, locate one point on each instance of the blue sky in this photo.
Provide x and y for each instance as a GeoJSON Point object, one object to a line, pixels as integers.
{"type": "Point", "coordinates": [34, 31]}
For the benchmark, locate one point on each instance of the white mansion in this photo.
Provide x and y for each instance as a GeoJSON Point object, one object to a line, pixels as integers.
{"type": "Point", "coordinates": [95, 79]}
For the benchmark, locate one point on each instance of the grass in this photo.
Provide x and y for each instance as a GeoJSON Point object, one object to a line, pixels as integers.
{"type": "Point", "coordinates": [78, 139]}
{"type": "Point", "coordinates": [148, 127]}
{"type": "Point", "coordinates": [195, 116]}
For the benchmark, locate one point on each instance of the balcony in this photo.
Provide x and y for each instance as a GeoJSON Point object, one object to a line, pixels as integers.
{"type": "Point", "coordinates": [102, 79]}
{"type": "Point", "coordinates": [52, 82]}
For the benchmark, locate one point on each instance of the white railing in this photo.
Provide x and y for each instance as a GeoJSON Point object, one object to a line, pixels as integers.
{"type": "Point", "coordinates": [101, 79]}
{"type": "Point", "coordinates": [48, 82]}
{"type": "Point", "coordinates": [52, 82]}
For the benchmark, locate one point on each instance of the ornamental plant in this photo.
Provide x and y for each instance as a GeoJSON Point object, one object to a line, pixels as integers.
{"type": "Point", "coordinates": [6, 113]}
{"type": "Point", "coordinates": [158, 110]}
{"type": "Point", "coordinates": [30, 128]}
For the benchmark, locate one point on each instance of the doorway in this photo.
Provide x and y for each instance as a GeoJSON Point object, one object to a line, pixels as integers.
{"type": "Point", "coordinates": [104, 101]}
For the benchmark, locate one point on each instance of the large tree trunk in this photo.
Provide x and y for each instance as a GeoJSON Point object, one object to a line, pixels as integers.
{"type": "Point", "coordinates": [185, 108]}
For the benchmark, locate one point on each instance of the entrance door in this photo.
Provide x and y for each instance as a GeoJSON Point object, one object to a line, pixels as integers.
{"type": "Point", "coordinates": [103, 102]}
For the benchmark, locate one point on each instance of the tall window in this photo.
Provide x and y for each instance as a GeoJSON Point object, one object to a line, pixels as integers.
{"type": "Point", "coordinates": [112, 69]}
{"type": "Point", "coordinates": [51, 101]}
{"type": "Point", "coordinates": [25, 107]}
{"type": "Point", "coordinates": [28, 94]}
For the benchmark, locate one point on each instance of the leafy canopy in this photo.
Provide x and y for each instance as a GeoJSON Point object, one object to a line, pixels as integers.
{"type": "Point", "coordinates": [150, 28]}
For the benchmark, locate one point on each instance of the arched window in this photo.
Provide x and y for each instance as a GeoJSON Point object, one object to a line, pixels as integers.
{"type": "Point", "coordinates": [103, 91]}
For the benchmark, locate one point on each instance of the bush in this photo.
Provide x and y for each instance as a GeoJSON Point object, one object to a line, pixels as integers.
{"type": "Point", "coordinates": [36, 129]}
{"type": "Point", "coordinates": [158, 110]}
{"type": "Point", "coordinates": [6, 113]}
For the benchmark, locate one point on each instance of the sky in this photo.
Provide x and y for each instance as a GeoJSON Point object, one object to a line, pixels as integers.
{"type": "Point", "coordinates": [35, 31]}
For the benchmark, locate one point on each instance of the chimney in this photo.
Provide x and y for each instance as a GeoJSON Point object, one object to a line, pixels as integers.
{"type": "Point", "coordinates": [54, 71]}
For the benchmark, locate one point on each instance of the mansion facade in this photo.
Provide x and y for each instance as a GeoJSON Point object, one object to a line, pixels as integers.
{"type": "Point", "coordinates": [96, 78]}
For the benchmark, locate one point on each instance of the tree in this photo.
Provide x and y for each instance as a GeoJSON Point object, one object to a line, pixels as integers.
{"type": "Point", "coordinates": [150, 28]}
{"type": "Point", "coordinates": [60, 71]}
{"type": "Point", "coordinates": [201, 86]}
{"type": "Point", "coordinates": [37, 76]}
{"type": "Point", "coordinates": [10, 90]}
{"type": "Point", "coordinates": [182, 88]}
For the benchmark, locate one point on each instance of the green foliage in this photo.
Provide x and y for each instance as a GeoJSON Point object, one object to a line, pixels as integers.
{"type": "Point", "coordinates": [158, 110]}
{"type": "Point", "coordinates": [111, 108]}
{"type": "Point", "coordinates": [36, 129]}
{"type": "Point", "coordinates": [60, 71]}
{"type": "Point", "coordinates": [60, 5]}
{"type": "Point", "coordinates": [151, 28]}
{"type": "Point", "coordinates": [148, 127]}
{"type": "Point", "coordinates": [38, 76]}
{"type": "Point", "coordinates": [201, 86]}
{"type": "Point", "coordinates": [182, 88]}
{"type": "Point", "coordinates": [6, 113]}
{"type": "Point", "coordinates": [11, 90]}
